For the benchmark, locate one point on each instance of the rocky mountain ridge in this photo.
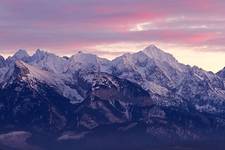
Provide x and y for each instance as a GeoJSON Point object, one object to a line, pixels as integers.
{"type": "Point", "coordinates": [148, 92]}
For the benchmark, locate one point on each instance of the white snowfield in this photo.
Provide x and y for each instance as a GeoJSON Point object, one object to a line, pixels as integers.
{"type": "Point", "coordinates": [155, 70]}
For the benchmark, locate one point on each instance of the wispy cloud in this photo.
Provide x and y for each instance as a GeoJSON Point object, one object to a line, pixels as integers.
{"type": "Point", "coordinates": [64, 26]}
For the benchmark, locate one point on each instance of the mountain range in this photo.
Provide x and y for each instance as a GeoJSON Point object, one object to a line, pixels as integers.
{"type": "Point", "coordinates": [135, 101]}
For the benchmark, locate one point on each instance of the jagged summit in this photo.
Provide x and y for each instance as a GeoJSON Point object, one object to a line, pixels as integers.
{"type": "Point", "coordinates": [88, 62]}
{"type": "Point", "coordinates": [148, 64]}
{"type": "Point", "coordinates": [2, 61]}
{"type": "Point", "coordinates": [147, 90]}
{"type": "Point", "coordinates": [21, 53]}
{"type": "Point", "coordinates": [39, 53]}
{"type": "Point", "coordinates": [2, 58]}
{"type": "Point", "coordinates": [221, 73]}
{"type": "Point", "coordinates": [81, 60]}
{"type": "Point", "coordinates": [157, 54]}
{"type": "Point", "coordinates": [45, 58]}
{"type": "Point", "coordinates": [82, 56]}
{"type": "Point", "coordinates": [152, 46]}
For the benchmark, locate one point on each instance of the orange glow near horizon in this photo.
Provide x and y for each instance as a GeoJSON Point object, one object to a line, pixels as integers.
{"type": "Point", "coordinates": [193, 56]}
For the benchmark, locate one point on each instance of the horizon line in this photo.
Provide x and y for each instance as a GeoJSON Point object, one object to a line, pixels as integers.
{"type": "Point", "coordinates": [85, 51]}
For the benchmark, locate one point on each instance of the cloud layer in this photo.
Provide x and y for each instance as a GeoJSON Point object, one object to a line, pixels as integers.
{"type": "Point", "coordinates": [65, 25]}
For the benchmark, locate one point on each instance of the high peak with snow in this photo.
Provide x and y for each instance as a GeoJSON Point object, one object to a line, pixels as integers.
{"type": "Point", "coordinates": [155, 70]}
{"type": "Point", "coordinates": [148, 90]}
{"type": "Point", "coordinates": [51, 61]}
{"type": "Point", "coordinates": [21, 53]}
{"type": "Point", "coordinates": [155, 53]}
{"type": "Point", "coordinates": [2, 61]}
{"type": "Point", "coordinates": [159, 55]}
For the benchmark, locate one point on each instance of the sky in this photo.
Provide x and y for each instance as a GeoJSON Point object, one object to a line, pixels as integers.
{"type": "Point", "coordinates": [192, 30]}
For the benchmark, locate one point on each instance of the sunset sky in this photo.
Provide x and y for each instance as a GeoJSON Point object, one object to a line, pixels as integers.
{"type": "Point", "coordinates": [192, 30]}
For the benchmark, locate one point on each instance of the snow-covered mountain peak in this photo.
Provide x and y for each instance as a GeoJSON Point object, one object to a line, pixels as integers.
{"type": "Point", "coordinates": [83, 61]}
{"type": "Point", "coordinates": [20, 54]}
{"type": "Point", "coordinates": [2, 58]}
{"type": "Point", "coordinates": [39, 53]}
{"type": "Point", "coordinates": [152, 46]}
{"type": "Point", "coordinates": [33, 75]}
{"type": "Point", "coordinates": [29, 72]}
{"type": "Point", "coordinates": [88, 62]}
{"type": "Point", "coordinates": [84, 57]}
{"type": "Point", "coordinates": [221, 73]}
{"type": "Point", "coordinates": [155, 53]}
{"type": "Point", "coordinates": [2, 61]}
{"type": "Point", "coordinates": [48, 61]}
{"type": "Point", "coordinates": [159, 55]}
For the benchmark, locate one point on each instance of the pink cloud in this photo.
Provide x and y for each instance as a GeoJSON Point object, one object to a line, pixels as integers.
{"type": "Point", "coordinates": [201, 37]}
{"type": "Point", "coordinates": [75, 24]}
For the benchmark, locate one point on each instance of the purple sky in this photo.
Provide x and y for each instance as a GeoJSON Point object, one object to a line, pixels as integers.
{"type": "Point", "coordinates": [111, 27]}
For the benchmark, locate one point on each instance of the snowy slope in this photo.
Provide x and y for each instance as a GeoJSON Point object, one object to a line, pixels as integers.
{"type": "Point", "coordinates": [87, 62]}
{"type": "Point", "coordinates": [162, 57]}
{"type": "Point", "coordinates": [19, 55]}
{"type": "Point", "coordinates": [2, 61]}
{"type": "Point", "coordinates": [167, 80]}
{"type": "Point", "coordinates": [34, 76]}
{"type": "Point", "coordinates": [153, 69]}
{"type": "Point", "coordinates": [148, 90]}
{"type": "Point", "coordinates": [48, 61]}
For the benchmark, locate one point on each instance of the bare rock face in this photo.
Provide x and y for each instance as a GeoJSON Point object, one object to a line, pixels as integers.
{"type": "Point", "coordinates": [20, 69]}
{"type": "Point", "coordinates": [2, 61]}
